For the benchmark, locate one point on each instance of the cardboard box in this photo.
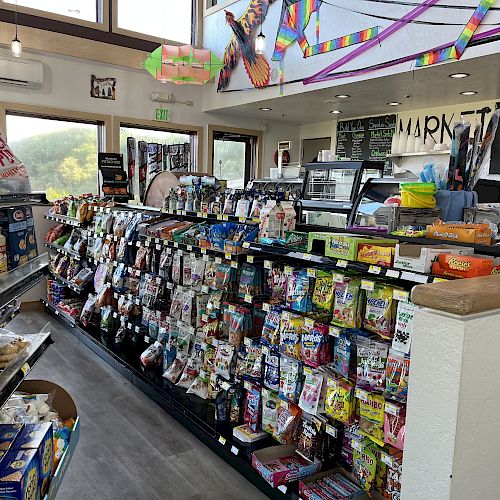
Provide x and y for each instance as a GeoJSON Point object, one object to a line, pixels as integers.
{"type": "Point", "coordinates": [419, 258]}
{"type": "Point", "coordinates": [14, 226]}
{"type": "Point", "coordinates": [39, 437]}
{"type": "Point", "coordinates": [266, 463]}
{"type": "Point", "coordinates": [8, 433]}
{"type": "Point", "coordinates": [380, 255]}
{"type": "Point", "coordinates": [66, 408]}
{"type": "Point", "coordinates": [318, 242]}
{"type": "Point", "coordinates": [462, 266]}
{"type": "Point", "coordinates": [480, 234]}
{"type": "Point", "coordinates": [19, 475]}
{"type": "Point", "coordinates": [345, 246]}
{"type": "Point", "coordinates": [307, 494]}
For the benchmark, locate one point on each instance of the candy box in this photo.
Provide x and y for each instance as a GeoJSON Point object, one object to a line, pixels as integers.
{"type": "Point", "coordinates": [281, 465]}
{"type": "Point", "coordinates": [15, 228]}
{"type": "Point", "coordinates": [39, 437]}
{"type": "Point", "coordinates": [419, 258]}
{"type": "Point", "coordinates": [336, 480]}
{"type": "Point", "coordinates": [318, 242]}
{"type": "Point", "coordinates": [345, 246]}
{"type": "Point", "coordinates": [462, 266]}
{"type": "Point", "coordinates": [19, 475]}
{"type": "Point", "coordinates": [480, 234]}
{"type": "Point", "coordinates": [8, 433]}
{"type": "Point", "coordinates": [380, 254]}
{"type": "Point", "coordinates": [296, 240]}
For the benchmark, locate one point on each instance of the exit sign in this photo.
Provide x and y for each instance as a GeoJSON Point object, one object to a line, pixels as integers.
{"type": "Point", "coordinates": [162, 114]}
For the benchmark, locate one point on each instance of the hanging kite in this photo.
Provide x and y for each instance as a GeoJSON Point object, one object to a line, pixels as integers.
{"type": "Point", "coordinates": [241, 44]}
{"type": "Point", "coordinates": [295, 17]}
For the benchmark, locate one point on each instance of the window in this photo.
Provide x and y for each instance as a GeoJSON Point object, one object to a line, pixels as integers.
{"type": "Point", "coordinates": [171, 20]}
{"type": "Point", "coordinates": [60, 155]}
{"type": "Point", "coordinates": [87, 10]}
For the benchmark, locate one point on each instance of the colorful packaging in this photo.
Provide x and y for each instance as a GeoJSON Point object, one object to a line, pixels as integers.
{"type": "Point", "coordinates": [315, 344]}
{"type": "Point", "coordinates": [371, 422]}
{"type": "Point", "coordinates": [372, 359]}
{"type": "Point", "coordinates": [403, 329]}
{"type": "Point", "coordinates": [347, 303]}
{"type": "Point", "coordinates": [462, 266]}
{"type": "Point", "coordinates": [272, 371]}
{"type": "Point", "coordinates": [252, 406]}
{"type": "Point", "coordinates": [365, 466]}
{"type": "Point", "coordinates": [324, 291]}
{"type": "Point", "coordinates": [298, 292]}
{"type": "Point", "coordinates": [395, 426]}
{"type": "Point", "coordinates": [339, 403]}
{"type": "Point", "coordinates": [270, 405]}
{"type": "Point", "coordinates": [311, 392]}
{"type": "Point", "coordinates": [19, 475]}
{"type": "Point", "coordinates": [289, 379]}
{"type": "Point", "coordinates": [224, 359]}
{"type": "Point", "coordinates": [8, 433]}
{"type": "Point", "coordinates": [271, 328]}
{"type": "Point", "coordinates": [379, 254]}
{"type": "Point", "coordinates": [288, 422]}
{"type": "Point", "coordinates": [380, 310]}
{"type": "Point", "coordinates": [310, 438]}
{"type": "Point", "coordinates": [397, 374]}
{"type": "Point", "coordinates": [344, 353]}
{"type": "Point", "coordinates": [291, 327]}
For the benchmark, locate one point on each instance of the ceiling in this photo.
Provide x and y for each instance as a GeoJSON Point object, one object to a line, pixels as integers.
{"type": "Point", "coordinates": [425, 88]}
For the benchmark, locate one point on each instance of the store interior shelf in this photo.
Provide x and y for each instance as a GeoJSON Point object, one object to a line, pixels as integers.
{"type": "Point", "coordinates": [19, 368]}
{"type": "Point", "coordinates": [195, 415]}
{"type": "Point", "coordinates": [63, 219]}
{"type": "Point", "coordinates": [9, 314]}
{"type": "Point", "coordinates": [18, 281]}
{"type": "Point", "coordinates": [72, 286]}
{"type": "Point", "coordinates": [60, 249]}
{"type": "Point", "coordinates": [212, 217]}
{"type": "Point", "coordinates": [420, 153]}
{"type": "Point", "coordinates": [17, 199]}
{"type": "Point", "coordinates": [58, 312]}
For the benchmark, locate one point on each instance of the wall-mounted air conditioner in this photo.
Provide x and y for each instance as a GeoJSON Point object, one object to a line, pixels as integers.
{"type": "Point", "coordinates": [25, 73]}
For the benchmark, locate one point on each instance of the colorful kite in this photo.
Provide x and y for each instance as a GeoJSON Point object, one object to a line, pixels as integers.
{"type": "Point", "coordinates": [241, 44]}
{"type": "Point", "coordinates": [181, 65]}
{"type": "Point", "coordinates": [456, 51]}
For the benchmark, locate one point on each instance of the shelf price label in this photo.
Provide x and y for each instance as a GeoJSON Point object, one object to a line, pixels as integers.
{"type": "Point", "coordinates": [439, 280]}
{"type": "Point", "coordinates": [391, 409]}
{"type": "Point", "coordinates": [242, 219]}
{"type": "Point", "coordinates": [374, 270]}
{"type": "Point", "coordinates": [401, 295]}
{"type": "Point", "coordinates": [332, 431]}
{"type": "Point", "coordinates": [268, 264]}
{"type": "Point", "coordinates": [338, 278]}
{"type": "Point", "coordinates": [189, 247]}
{"type": "Point", "coordinates": [222, 440]}
{"type": "Point", "coordinates": [248, 298]}
{"type": "Point", "coordinates": [357, 445]}
{"type": "Point", "coordinates": [234, 264]}
{"type": "Point", "coordinates": [367, 285]}
{"type": "Point", "coordinates": [218, 260]}
{"type": "Point", "coordinates": [309, 323]}
{"type": "Point", "coordinates": [282, 488]}
{"type": "Point", "coordinates": [392, 273]}
{"type": "Point", "coordinates": [342, 263]}
{"type": "Point", "coordinates": [311, 272]}
{"type": "Point", "coordinates": [334, 331]}
{"type": "Point", "coordinates": [361, 394]}
{"type": "Point", "coordinates": [25, 368]}
{"type": "Point", "coordinates": [219, 216]}
{"type": "Point", "coordinates": [288, 270]}
{"type": "Point", "coordinates": [250, 259]}
{"type": "Point", "coordinates": [225, 217]}
{"type": "Point", "coordinates": [266, 306]}
{"type": "Point", "coordinates": [386, 459]}
{"type": "Point", "coordinates": [246, 244]}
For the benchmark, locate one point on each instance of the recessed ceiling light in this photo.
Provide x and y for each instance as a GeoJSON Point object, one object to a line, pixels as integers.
{"type": "Point", "coordinates": [342, 96]}
{"type": "Point", "coordinates": [394, 103]}
{"type": "Point", "coordinates": [335, 112]}
{"type": "Point", "coordinates": [469, 92]}
{"type": "Point", "coordinates": [459, 75]}
{"type": "Point", "coordinates": [265, 109]}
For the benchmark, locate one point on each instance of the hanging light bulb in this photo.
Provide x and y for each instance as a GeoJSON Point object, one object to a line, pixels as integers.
{"type": "Point", "coordinates": [16, 46]}
{"type": "Point", "coordinates": [260, 43]}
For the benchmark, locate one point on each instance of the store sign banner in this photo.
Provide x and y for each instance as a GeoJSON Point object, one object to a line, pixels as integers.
{"type": "Point", "coordinates": [162, 115]}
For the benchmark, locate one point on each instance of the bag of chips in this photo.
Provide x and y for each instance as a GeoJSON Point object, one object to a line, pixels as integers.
{"type": "Point", "coordinates": [271, 328]}
{"type": "Point", "coordinates": [224, 359]}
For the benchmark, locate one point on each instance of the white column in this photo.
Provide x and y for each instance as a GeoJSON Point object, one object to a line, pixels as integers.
{"type": "Point", "coordinates": [453, 416]}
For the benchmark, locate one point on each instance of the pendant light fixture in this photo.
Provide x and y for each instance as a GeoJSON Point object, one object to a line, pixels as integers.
{"type": "Point", "coordinates": [16, 46]}
{"type": "Point", "coordinates": [260, 41]}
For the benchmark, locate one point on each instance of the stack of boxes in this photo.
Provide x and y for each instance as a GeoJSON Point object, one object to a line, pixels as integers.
{"type": "Point", "coordinates": [18, 228]}
{"type": "Point", "coordinates": [27, 460]}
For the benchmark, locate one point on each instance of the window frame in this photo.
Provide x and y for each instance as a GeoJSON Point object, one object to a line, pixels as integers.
{"type": "Point", "coordinates": [197, 132]}
{"type": "Point", "coordinates": [196, 20]}
{"type": "Point", "coordinates": [101, 25]}
{"type": "Point", "coordinates": [254, 170]}
{"type": "Point", "coordinates": [221, 4]}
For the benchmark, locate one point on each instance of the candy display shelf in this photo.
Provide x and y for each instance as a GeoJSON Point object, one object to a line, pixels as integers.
{"type": "Point", "coordinates": [63, 219]}
{"type": "Point", "coordinates": [72, 286]}
{"type": "Point", "coordinates": [18, 281]}
{"type": "Point", "coordinates": [58, 312]}
{"type": "Point", "coordinates": [60, 249]}
{"type": "Point", "coordinates": [17, 199]}
{"type": "Point", "coordinates": [214, 217]}
{"type": "Point", "coordinates": [195, 414]}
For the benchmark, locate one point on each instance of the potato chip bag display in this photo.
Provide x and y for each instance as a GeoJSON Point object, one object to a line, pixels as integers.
{"type": "Point", "coordinates": [397, 373]}
{"type": "Point", "coordinates": [339, 402]}
{"type": "Point", "coordinates": [289, 379]}
{"type": "Point", "coordinates": [324, 291]}
{"type": "Point", "coordinates": [365, 466]}
{"type": "Point", "coordinates": [346, 304]}
{"type": "Point", "coordinates": [371, 422]}
{"type": "Point", "coordinates": [380, 311]}
{"type": "Point", "coordinates": [270, 405]}
{"type": "Point", "coordinates": [291, 327]}
{"type": "Point", "coordinates": [371, 363]}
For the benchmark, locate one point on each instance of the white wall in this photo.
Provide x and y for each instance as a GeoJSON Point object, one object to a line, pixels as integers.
{"type": "Point", "coordinates": [67, 86]}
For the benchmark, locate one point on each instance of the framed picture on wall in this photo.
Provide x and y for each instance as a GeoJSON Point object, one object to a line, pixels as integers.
{"type": "Point", "coordinates": [103, 88]}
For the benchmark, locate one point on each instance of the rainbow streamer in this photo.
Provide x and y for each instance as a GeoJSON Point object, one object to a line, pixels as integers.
{"type": "Point", "coordinates": [457, 50]}
{"type": "Point", "coordinates": [341, 42]}
{"type": "Point", "coordinates": [317, 26]}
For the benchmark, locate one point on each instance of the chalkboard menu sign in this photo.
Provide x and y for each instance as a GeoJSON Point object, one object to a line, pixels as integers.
{"type": "Point", "coordinates": [366, 138]}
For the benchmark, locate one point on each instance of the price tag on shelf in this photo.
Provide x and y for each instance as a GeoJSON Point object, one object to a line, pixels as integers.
{"type": "Point", "coordinates": [189, 248]}
{"type": "Point", "coordinates": [247, 341]}
{"type": "Point", "coordinates": [392, 273]}
{"type": "Point", "coordinates": [288, 270]}
{"type": "Point", "coordinates": [374, 270]}
{"type": "Point", "coordinates": [247, 385]}
{"type": "Point", "coordinates": [420, 278]}
{"type": "Point", "coordinates": [334, 331]}
{"type": "Point", "coordinates": [342, 263]}
{"type": "Point", "coordinates": [129, 326]}
{"type": "Point", "coordinates": [266, 306]}
{"type": "Point", "coordinates": [386, 459]}
{"type": "Point", "coordinates": [242, 219]}
{"type": "Point", "coordinates": [405, 275]}
{"type": "Point", "coordinates": [391, 409]}
{"type": "Point", "coordinates": [265, 349]}
{"type": "Point", "coordinates": [282, 488]}
{"type": "Point", "coordinates": [204, 318]}
{"type": "Point", "coordinates": [401, 295]}
{"type": "Point", "coordinates": [176, 245]}
{"type": "Point", "coordinates": [357, 445]}
{"type": "Point", "coordinates": [222, 440]}
{"type": "Point", "coordinates": [25, 368]}
{"type": "Point", "coordinates": [115, 315]}
{"type": "Point", "coordinates": [227, 256]}
{"type": "Point", "coordinates": [205, 215]}
{"type": "Point", "coordinates": [157, 240]}
{"type": "Point", "coordinates": [361, 394]}
{"type": "Point", "coordinates": [219, 216]}
{"type": "Point", "coordinates": [367, 285]}
{"type": "Point", "coordinates": [225, 217]}
{"type": "Point", "coordinates": [309, 323]}
{"type": "Point", "coordinates": [234, 450]}
{"type": "Point", "coordinates": [234, 264]}
{"type": "Point", "coordinates": [158, 247]}
{"type": "Point", "coordinates": [199, 214]}
{"type": "Point", "coordinates": [439, 280]}
{"type": "Point", "coordinates": [232, 308]}
{"type": "Point", "coordinates": [147, 339]}
{"type": "Point", "coordinates": [338, 278]}
{"type": "Point", "coordinates": [307, 256]}
{"type": "Point", "coordinates": [311, 272]}
{"type": "Point", "coordinates": [332, 431]}
{"type": "Point", "coordinates": [204, 252]}
{"type": "Point", "coordinates": [183, 212]}
{"type": "Point", "coordinates": [250, 259]}
{"type": "Point", "coordinates": [170, 285]}
{"type": "Point", "coordinates": [246, 244]}
{"type": "Point", "coordinates": [248, 298]}
{"type": "Point", "coordinates": [180, 252]}
{"type": "Point", "coordinates": [205, 289]}
{"type": "Point", "coordinates": [218, 260]}
{"type": "Point", "coordinates": [307, 370]}
{"type": "Point", "coordinates": [268, 264]}
{"type": "Point", "coordinates": [225, 386]}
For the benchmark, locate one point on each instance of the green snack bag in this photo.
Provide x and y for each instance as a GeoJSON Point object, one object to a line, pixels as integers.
{"type": "Point", "coordinates": [324, 289]}
{"type": "Point", "coordinates": [346, 303]}
{"type": "Point", "coordinates": [365, 465]}
{"type": "Point", "coordinates": [380, 311]}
